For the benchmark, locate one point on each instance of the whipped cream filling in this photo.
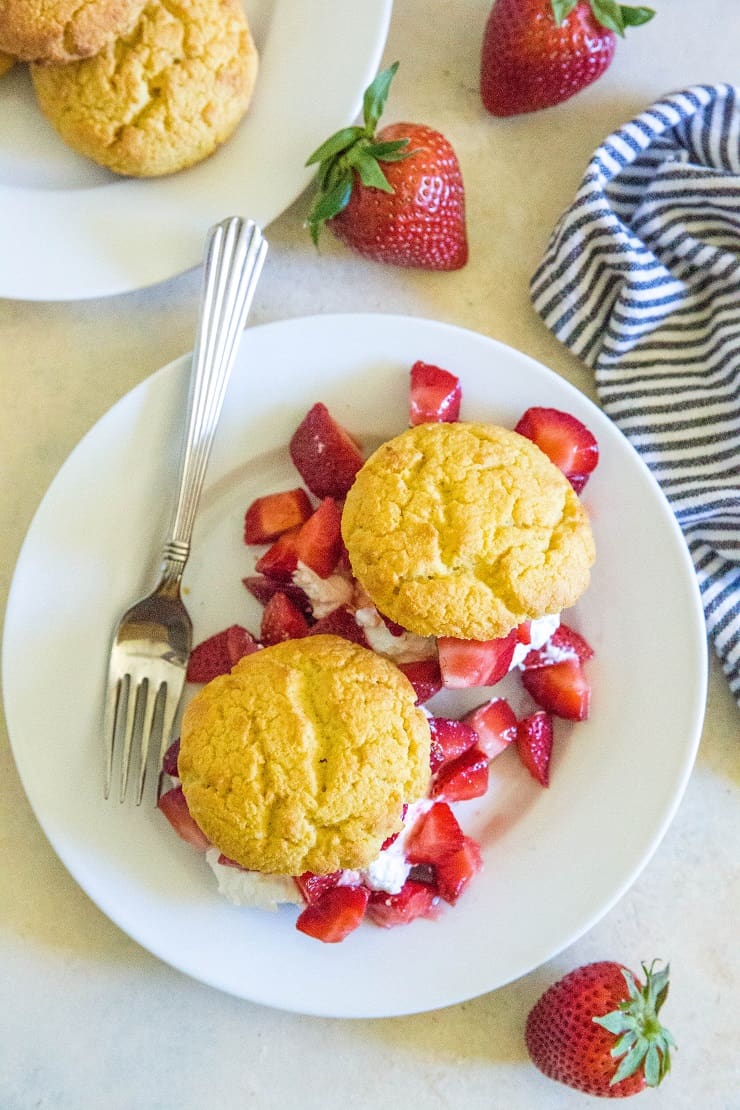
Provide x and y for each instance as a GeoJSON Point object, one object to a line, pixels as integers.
{"type": "Point", "coordinates": [540, 631]}
{"type": "Point", "coordinates": [325, 594]}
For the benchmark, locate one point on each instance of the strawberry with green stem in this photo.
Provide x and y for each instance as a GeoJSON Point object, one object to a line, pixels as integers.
{"type": "Point", "coordinates": [537, 53]}
{"type": "Point", "coordinates": [394, 195]}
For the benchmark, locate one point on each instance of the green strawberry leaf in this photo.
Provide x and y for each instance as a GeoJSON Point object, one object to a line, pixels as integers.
{"type": "Point", "coordinates": [375, 97]}
{"type": "Point", "coordinates": [635, 17]}
{"type": "Point", "coordinates": [389, 152]}
{"type": "Point", "coordinates": [328, 205]}
{"type": "Point", "coordinates": [617, 17]}
{"type": "Point", "coordinates": [615, 1022]}
{"type": "Point", "coordinates": [368, 169]}
{"type": "Point", "coordinates": [561, 9]}
{"type": "Point", "coordinates": [336, 144]}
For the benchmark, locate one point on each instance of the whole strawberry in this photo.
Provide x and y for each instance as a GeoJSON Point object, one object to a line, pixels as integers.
{"type": "Point", "coordinates": [396, 196]}
{"type": "Point", "coordinates": [537, 53]}
{"type": "Point", "coordinates": [597, 1030]}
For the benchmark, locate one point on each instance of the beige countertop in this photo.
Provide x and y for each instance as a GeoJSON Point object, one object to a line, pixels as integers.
{"type": "Point", "coordinates": [88, 1018]}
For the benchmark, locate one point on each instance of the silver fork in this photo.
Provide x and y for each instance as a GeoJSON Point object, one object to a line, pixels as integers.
{"type": "Point", "coordinates": [151, 644]}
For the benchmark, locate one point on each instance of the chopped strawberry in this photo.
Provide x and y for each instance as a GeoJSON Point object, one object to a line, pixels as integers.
{"type": "Point", "coordinates": [495, 725]}
{"type": "Point", "coordinates": [263, 588]}
{"type": "Point", "coordinates": [218, 654]}
{"type": "Point", "coordinates": [425, 676]}
{"type": "Point", "coordinates": [335, 914]}
{"type": "Point", "coordinates": [475, 662]}
{"type": "Point", "coordinates": [464, 778]}
{"type": "Point", "coordinates": [456, 870]}
{"type": "Point", "coordinates": [282, 620]}
{"type": "Point", "coordinates": [317, 543]}
{"type": "Point", "coordinates": [169, 762]}
{"type": "Point", "coordinates": [434, 395]}
{"type": "Point", "coordinates": [324, 453]}
{"type": "Point", "coordinates": [173, 805]}
{"type": "Point", "coordinates": [281, 558]}
{"type": "Point", "coordinates": [413, 900]}
{"type": "Point", "coordinates": [225, 861]}
{"type": "Point", "coordinates": [534, 744]}
{"type": "Point", "coordinates": [565, 440]}
{"type": "Point", "coordinates": [269, 516]}
{"type": "Point", "coordinates": [564, 643]}
{"type": "Point", "coordinates": [450, 739]}
{"type": "Point", "coordinates": [524, 632]}
{"type": "Point", "coordinates": [313, 887]}
{"type": "Point", "coordinates": [393, 627]}
{"type": "Point", "coordinates": [435, 836]}
{"type": "Point", "coordinates": [562, 689]}
{"type": "Point", "coordinates": [340, 622]}
{"type": "Point", "coordinates": [394, 836]}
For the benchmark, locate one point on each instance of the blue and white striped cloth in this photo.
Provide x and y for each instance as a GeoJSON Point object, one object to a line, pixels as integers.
{"type": "Point", "coordinates": [641, 279]}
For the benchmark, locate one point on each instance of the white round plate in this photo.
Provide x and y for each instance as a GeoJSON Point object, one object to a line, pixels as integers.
{"type": "Point", "coordinates": [70, 229]}
{"type": "Point", "coordinates": [555, 859]}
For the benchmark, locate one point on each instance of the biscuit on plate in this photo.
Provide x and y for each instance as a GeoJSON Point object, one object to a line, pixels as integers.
{"type": "Point", "coordinates": [160, 98]}
{"type": "Point", "coordinates": [61, 31]}
{"type": "Point", "coordinates": [466, 530]}
{"type": "Point", "coordinates": [302, 758]}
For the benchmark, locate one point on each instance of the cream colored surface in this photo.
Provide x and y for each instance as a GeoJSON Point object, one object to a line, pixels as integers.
{"type": "Point", "coordinates": [89, 1018]}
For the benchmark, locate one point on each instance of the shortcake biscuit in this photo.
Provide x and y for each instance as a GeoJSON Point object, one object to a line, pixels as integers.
{"type": "Point", "coordinates": [466, 530]}
{"type": "Point", "coordinates": [302, 758]}
{"type": "Point", "coordinates": [160, 98]}
{"type": "Point", "coordinates": [61, 31]}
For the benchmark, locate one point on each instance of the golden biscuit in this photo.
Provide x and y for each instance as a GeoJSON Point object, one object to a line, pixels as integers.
{"type": "Point", "coordinates": [60, 31]}
{"type": "Point", "coordinates": [301, 759]}
{"type": "Point", "coordinates": [161, 98]}
{"type": "Point", "coordinates": [6, 63]}
{"type": "Point", "coordinates": [466, 530]}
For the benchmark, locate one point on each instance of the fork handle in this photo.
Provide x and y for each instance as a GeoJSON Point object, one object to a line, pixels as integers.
{"type": "Point", "coordinates": [234, 255]}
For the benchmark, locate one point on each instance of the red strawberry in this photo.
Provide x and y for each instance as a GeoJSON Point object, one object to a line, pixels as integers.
{"type": "Point", "coordinates": [263, 588]}
{"type": "Point", "coordinates": [335, 914]}
{"type": "Point", "coordinates": [534, 744]}
{"type": "Point", "coordinates": [450, 739]}
{"type": "Point", "coordinates": [269, 516]}
{"type": "Point", "coordinates": [218, 654]}
{"type": "Point", "coordinates": [324, 453]}
{"type": "Point", "coordinates": [396, 196]}
{"type": "Point", "coordinates": [173, 805]}
{"type": "Point", "coordinates": [562, 689]}
{"type": "Point", "coordinates": [455, 872]}
{"type": "Point", "coordinates": [434, 395]}
{"type": "Point", "coordinates": [282, 620]}
{"type": "Point", "coordinates": [317, 543]}
{"type": "Point", "coordinates": [463, 778]}
{"type": "Point", "coordinates": [313, 886]}
{"type": "Point", "coordinates": [495, 725]}
{"type": "Point", "coordinates": [537, 53]}
{"type": "Point", "coordinates": [564, 643]}
{"type": "Point", "coordinates": [435, 836]}
{"type": "Point", "coordinates": [414, 900]}
{"type": "Point", "coordinates": [340, 622]}
{"type": "Point", "coordinates": [597, 1030]}
{"type": "Point", "coordinates": [564, 439]}
{"type": "Point", "coordinates": [475, 662]}
{"type": "Point", "coordinates": [425, 676]}
{"type": "Point", "coordinates": [169, 760]}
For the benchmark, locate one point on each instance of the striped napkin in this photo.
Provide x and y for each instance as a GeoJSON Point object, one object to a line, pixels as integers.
{"type": "Point", "coordinates": [641, 280]}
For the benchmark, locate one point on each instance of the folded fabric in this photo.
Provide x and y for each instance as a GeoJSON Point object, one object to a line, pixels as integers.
{"type": "Point", "coordinates": [641, 280]}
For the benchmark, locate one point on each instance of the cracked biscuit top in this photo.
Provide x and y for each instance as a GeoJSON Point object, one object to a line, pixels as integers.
{"type": "Point", "coordinates": [60, 31]}
{"type": "Point", "coordinates": [302, 758]}
{"type": "Point", "coordinates": [466, 530]}
{"type": "Point", "coordinates": [160, 98]}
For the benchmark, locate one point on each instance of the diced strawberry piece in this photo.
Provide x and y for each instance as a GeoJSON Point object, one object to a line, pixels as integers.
{"type": "Point", "coordinates": [282, 620]}
{"type": "Point", "coordinates": [340, 622]}
{"type": "Point", "coordinates": [226, 861]}
{"type": "Point", "coordinates": [324, 453]}
{"type": "Point", "coordinates": [281, 558]}
{"type": "Point", "coordinates": [435, 836]}
{"type": "Point", "coordinates": [263, 588]}
{"type": "Point", "coordinates": [425, 676]}
{"type": "Point", "coordinates": [565, 643]}
{"type": "Point", "coordinates": [524, 632]}
{"type": "Point", "coordinates": [394, 836]}
{"type": "Point", "coordinates": [561, 688]}
{"type": "Point", "coordinates": [169, 762]}
{"type": "Point", "coordinates": [173, 805]}
{"type": "Point", "coordinates": [534, 744]}
{"type": "Point", "coordinates": [413, 900]}
{"type": "Point", "coordinates": [464, 778]}
{"type": "Point", "coordinates": [269, 516]}
{"type": "Point", "coordinates": [475, 662]}
{"type": "Point", "coordinates": [565, 440]}
{"type": "Point", "coordinates": [578, 481]}
{"type": "Point", "coordinates": [455, 872]}
{"type": "Point", "coordinates": [313, 887]}
{"type": "Point", "coordinates": [393, 627]}
{"type": "Point", "coordinates": [450, 739]}
{"type": "Point", "coordinates": [218, 654]}
{"type": "Point", "coordinates": [319, 540]}
{"type": "Point", "coordinates": [336, 914]}
{"type": "Point", "coordinates": [495, 724]}
{"type": "Point", "coordinates": [434, 395]}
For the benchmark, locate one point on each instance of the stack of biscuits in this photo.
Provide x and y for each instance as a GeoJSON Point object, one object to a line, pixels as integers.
{"type": "Point", "coordinates": [143, 87]}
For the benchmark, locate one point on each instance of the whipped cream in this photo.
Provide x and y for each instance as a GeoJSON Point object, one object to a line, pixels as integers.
{"type": "Point", "coordinates": [406, 648]}
{"type": "Point", "coordinates": [325, 594]}
{"type": "Point", "coordinates": [540, 631]}
{"type": "Point", "coordinates": [252, 888]}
